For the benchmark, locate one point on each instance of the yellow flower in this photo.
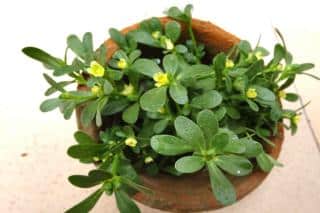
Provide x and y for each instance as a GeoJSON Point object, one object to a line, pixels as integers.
{"type": "Point", "coordinates": [161, 79]}
{"type": "Point", "coordinates": [168, 44]}
{"type": "Point", "coordinates": [148, 160]}
{"type": "Point", "coordinates": [259, 55]}
{"type": "Point", "coordinates": [96, 90]}
{"type": "Point", "coordinates": [156, 34]}
{"type": "Point", "coordinates": [282, 94]}
{"type": "Point", "coordinates": [162, 110]}
{"type": "Point", "coordinates": [122, 63]}
{"type": "Point", "coordinates": [127, 90]}
{"type": "Point", "coordinates": [251, 93]}
{"type": "Point", "coordinates": [96, 69]}
{"type": "Point", "coordinates": [229, 63]}
{"type": "Point", "coordinates": [296, 119]}
{"type": "Point", "coordinates": [131, 141]}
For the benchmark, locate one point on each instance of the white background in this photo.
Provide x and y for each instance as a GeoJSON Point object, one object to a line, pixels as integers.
{"type": "Point", "coordinates": [30, 184]}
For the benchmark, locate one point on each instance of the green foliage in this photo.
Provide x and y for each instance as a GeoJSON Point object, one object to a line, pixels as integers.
{"type": "Point", "coordinates": [189, 164]}
{"type": "Point", "coordinates": [153, 99]}
{"type": "Point", "coordinates": [207, 100]}
{"type": "Point", "coordinates": [221, 186]}
{"type": "Point", "coordinates": [170, 145]}
{"type": "Point", "coordinates": [125, 204]}
{"type": "Point", "coordinates": [87, 204]}
{"type": "Point", "coordinates": [159, 106]}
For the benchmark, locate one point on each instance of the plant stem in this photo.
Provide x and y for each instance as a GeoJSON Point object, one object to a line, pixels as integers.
{"type": "Point", "coordinates": [115, 164]}
{"type": "Point", "coordinates": [193, 39]}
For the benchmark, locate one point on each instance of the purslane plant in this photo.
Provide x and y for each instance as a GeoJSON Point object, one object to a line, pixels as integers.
{"type": "Point", "coordinates": [160, 108]}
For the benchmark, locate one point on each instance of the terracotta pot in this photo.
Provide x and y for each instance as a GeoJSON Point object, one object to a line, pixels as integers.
{"type": "Point", "coordinates": [190, 193]}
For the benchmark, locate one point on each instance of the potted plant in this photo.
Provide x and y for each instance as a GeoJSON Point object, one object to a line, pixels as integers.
{"type": "Point", "coordinates": [174, 112]}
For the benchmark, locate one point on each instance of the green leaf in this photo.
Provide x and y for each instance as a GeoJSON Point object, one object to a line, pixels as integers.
{"type": "Point", "coordinates": [220, 141]}
{"type": "Point", "coordinates": [264, 94]}
{"type": "Point", "coordinates": [234, 165]}
{"type": "Point", "coordinates": [170, 64]}
{"type": "Point", "coordinates": [144, 37]}
{"type": "Point", "coordinates": [178, 93]}
{"type": "Point", "coordinates": [68, 109]}
{"type": "Point", "coordinates": [88, 113]}
{"type": "Point", "coordinates": [205, 84]}
{"type": "Point", "coordinates": [88, 46]}
{"type": "Point", "coordinates": [136, 186]}
{"type": "Point", "coordinates": [219, 62]}
{"type": "Point", "coordinates": [220, 113]}
{"type": "Point", "coordinates": [278, 53]}
{"type": "Point", "coordinates": [177, 14]}
{"type": "Point", "coordinates": [208, 123]}
{"type": "Point", "coordinates": [235, 146]}
{"type": "Point", "coordinates": [40, 55]}
{"type": "Point", "coordinates": [264, 162]}
{"type": "Point", "coordinates": [244, 47]}
{"type": "Point", "coordinates": [86, 151]}
{"type": "Point", "coordinates": [134, 55]}
{"type": "Point", "coordinates": [207, 100]}
{"type": "Point", "coordinates": [107, 87]}
{"type": "Point", "coordinates": [189, 164]}
{"type": "Point", "coordinates": [181, 48]}
{"type": "Point", "coordinates": [233, 113]}
{"type": "Point", "coordinates": [160, 126]}
{"type": "Point", "coordinates": [100, 54]}
{"type": "Point", "coordinates": [115, 106]}
{"type": "Point", "coordinates": [83, 138]}
{"type": "Point", "coordinates": [95, 177]}
{"type": "Point", "coordinates": [146, 67]}
{"type": "Point", "coordinates": [187, 10]}
{"type": "Point", "coordinates": [118, 38]}
{"type": "Point", "coordinates": [173, 30]}
{"type": "Point", "coordinates": [76, 46]}
{"type": "Point", "coordinates": [253, 105]}
{"type": "Point", "coordinates": [153, 99]}
{"type": "Point", "coordinates": [222, 188]}
{"type": "Point", "coordinates": [253, 148]}
{"type": "Point", "coordinates": [124, 203]}
{"type": "Point", "coordinates": [195, 72]}
{"type": "Point", "coordinates": [169, 145]}
{"type": "Point", "coordinates": [189, 131]}
{"type": "Point", "coordinates": [130, 115]}
{"type": "Point", "coordinates": [53, 83]}
{"type": "Point", "coordinates": [59, 85]}
{"type": "Point", "coordinates": [291, 97]}
{"type": "Point", "coordinates": [50, 104]}
{"type": "Point", "coordinates": [87, 204]}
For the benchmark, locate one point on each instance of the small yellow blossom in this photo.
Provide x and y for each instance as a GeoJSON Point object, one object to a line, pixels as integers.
{"type": "Point", "coordinates": [162, 110]}
{"type": "Point", "coordinates": [161, 79]}
{"type": "Point", "coordinates": [282, 94]}
{"type": "Point", "coordinates": [251, 93]}
{"type": "Point", "coordinates": [127, 90]}
{"type": "Point", "coordinates": [96, 90]}
{"type": "Point", "coordinates": [96, 69]}
{"type": "Point", "coordinates": [229, 63]}
{"type": "Point", "coordinates": [156, 34]}
{"type": "Point", "coordinates": [131, 141]}
{"type": "Point", "coordinates": [148, 160]}
{"type": "Point", "coordinates": [296, 119]}
{"type": "Point", "coordinates": [122, 63]}
{"type": "Point", "coordinates": [259, 55]}
{"type": "Point", "coordinates": [168, 44]}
